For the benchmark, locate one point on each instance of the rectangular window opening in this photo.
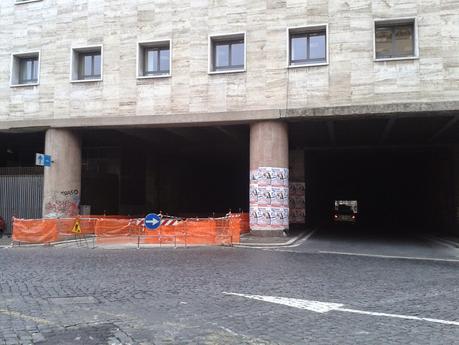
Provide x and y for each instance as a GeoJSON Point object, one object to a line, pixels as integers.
{"type": "Point", "coordinates": [395, 39]}
{"type": "Point", "coordinates": [154, 59]}
{"type": "Point", "coordinates": [228, 53]}
{"type": "Point", "coordinates": [25, 69]}
{"type": "Point", "coordinates": [87, 64]}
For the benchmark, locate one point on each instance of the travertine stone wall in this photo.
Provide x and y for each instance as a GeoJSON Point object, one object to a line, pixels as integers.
{"type": "Point", "coordinates": [351, 78]}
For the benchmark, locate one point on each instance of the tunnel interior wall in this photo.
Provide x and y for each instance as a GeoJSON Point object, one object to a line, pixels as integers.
{"type": "Point", "coordinates": [135, 179]}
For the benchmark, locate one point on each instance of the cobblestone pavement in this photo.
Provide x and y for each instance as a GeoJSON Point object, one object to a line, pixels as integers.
{"type": "Point", "coordinates": [167, 296]}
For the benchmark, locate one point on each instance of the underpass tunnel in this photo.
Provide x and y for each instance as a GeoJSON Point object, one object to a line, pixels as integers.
{"type": "Point", "coordinates": [402, 190]}
{"type": "Point", "coordinates": [402, 172]}
{"type": "Point", "coordinates": [17, 150]}
{"type": "Point", "coordinates": [185, 172]}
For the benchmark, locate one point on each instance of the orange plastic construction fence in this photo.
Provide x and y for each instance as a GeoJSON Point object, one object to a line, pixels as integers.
{"type": "Point", "coordinates": [35, 230]}
{"type": "Point", "coordinates": [124, 230]}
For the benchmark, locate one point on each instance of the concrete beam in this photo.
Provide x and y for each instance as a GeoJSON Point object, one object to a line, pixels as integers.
{"type": "Point", "coordinates": [233, 117]}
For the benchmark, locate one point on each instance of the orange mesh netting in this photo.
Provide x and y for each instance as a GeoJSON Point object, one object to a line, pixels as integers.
{"type": "Point", "coordinates": [123, 230]}
{"type": "Point", "coordinates": [35, 230]}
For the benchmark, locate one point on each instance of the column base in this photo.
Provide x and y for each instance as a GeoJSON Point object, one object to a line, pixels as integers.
{"type": "Point", "coordinates": [268, 233]}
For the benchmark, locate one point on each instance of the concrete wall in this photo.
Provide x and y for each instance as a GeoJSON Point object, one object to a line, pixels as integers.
{"type": "Point", "coordinates": [351, 78]}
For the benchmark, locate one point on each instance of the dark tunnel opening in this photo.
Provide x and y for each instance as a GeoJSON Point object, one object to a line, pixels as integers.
{"type": "Point", "coordinates": [402, 190]}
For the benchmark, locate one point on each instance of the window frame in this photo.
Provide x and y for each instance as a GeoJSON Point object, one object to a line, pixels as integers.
{"type": "Point", "coordinates": [142, 48]}
{"type": "Point", "coordinates": [75, 53]}
{"type": "Point", "coordinates": [308, 29]}
{"type": "Point", "coordinates": [394, 22]}
{"type": "Point", "coordinates": [226, 38]}
{"type": "Point", "coordinates": [15, 68]}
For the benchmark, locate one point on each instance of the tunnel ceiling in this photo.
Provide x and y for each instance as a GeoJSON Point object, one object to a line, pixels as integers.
{"type": "Point", "coordinates": [375, 132]}
{"type": "Point", "coordinates": [190, 139]}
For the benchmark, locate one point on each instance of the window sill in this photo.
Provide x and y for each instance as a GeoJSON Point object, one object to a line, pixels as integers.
{"type": "Point", "coordinates": [318, 64]}
{"type": "Point", "coordinates": [25, 2]}
{"type": "Point", "coordinates": [86, 81]}
{"type": "Point", "coordinates": [228, 71]}
{"type": "Point", "coordinates": [159, 76]}
{"type": "Point", "coordinates": [25, 85]}
{"type": "Point", "coordinates": [397, 59]}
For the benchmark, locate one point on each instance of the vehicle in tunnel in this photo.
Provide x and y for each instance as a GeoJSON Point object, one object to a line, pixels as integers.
{"type": "Point", "coordinates": [345, 211]}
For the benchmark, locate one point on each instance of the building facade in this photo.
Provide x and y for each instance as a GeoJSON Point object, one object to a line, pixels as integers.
{"type": "Point", "coordinates": [268, 65]}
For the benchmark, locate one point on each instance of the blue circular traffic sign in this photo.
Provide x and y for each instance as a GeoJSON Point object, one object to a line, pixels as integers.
{"type": "Point", "coordinates": [152, 221]}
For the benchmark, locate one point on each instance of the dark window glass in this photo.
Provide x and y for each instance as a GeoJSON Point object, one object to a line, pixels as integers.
{"type": "Point", "coordinates": [89, 66]}
{"type": "Point", "coordinates": [393, 41]}
{"type": "Point", "coordinates": [28, 70]}
{"type": "Point", "coordinates": [228, 55]}
{"type": "Point", "coordinates": [156, 60]}
{"type": "Point", "coordinates": [308, 47]}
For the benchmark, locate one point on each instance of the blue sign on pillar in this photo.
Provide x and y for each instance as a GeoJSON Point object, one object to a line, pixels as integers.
{"type": "Point", "coordinates": [152, 221]}
{"type": "Point", "coordinates": [43, 160]}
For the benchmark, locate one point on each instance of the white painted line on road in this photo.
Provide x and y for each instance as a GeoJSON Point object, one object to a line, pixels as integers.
{"type": "Point", "coordinates": [323, 307]}
{"type": "Point", "coordinates": [389, 256]}
{"type": "Point", "coordinates": [26, 317]}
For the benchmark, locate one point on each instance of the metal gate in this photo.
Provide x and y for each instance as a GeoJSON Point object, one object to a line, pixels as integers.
{"type": "Point", "coordinates": [21, 194]}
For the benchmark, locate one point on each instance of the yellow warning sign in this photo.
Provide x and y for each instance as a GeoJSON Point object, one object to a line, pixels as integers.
{"type": "Point", "coordinates": [77, 228]}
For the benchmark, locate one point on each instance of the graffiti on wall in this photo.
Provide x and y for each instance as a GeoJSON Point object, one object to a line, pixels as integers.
{"type": "Point", "coordinates": [63, 204]}
{"type": "Point", "coordinates": [269, 199]}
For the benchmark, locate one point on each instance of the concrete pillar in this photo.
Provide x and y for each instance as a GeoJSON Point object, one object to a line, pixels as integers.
{"type": "Point", "coordinates": [62, 184]}
{"type": "Point", "coordinates": [269, 178]}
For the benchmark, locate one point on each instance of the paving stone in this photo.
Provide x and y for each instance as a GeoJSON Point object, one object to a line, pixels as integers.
{"type": "Point", "coordinates": [176, 297]}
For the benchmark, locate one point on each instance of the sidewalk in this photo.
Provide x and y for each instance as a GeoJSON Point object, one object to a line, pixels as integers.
{"type": "Point", "coordinates": [5, 241]}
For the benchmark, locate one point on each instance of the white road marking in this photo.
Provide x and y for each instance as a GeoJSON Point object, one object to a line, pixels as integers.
{"type": "Point", "coordinates": [388, 256]}
{"type": "Point", "coordinates": [323, 307]}
{"type": "Point", "coordinates": [19, 315]}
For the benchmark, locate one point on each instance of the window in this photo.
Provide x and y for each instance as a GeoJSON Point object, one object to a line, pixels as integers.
{"type": "Point", "coordinates": [307, 46]}
{"type": "Point", "coordinates": [28, 70]}
{"type": "Point", "coordinates": [227, 53]}
{"type": "Point", "coordinates": [25, 69]}
{"type": "Point", "coordinates": [154, 59]}
{"type": "Point", "coordinates": [395, 39]}
{"type": "Point", "coordinates": [87, 64]}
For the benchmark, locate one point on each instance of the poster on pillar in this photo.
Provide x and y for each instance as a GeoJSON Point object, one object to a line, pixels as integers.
{"type": "Point", "coordinates": [297, 199]}
{"type": "Point", "coordinates": [269, 199]}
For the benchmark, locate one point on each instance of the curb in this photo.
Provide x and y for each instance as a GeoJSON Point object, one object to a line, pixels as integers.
{"type": "Point", "coordinates": [442, 241]}
{"type": "Point", "coordinates": [274, 244]}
